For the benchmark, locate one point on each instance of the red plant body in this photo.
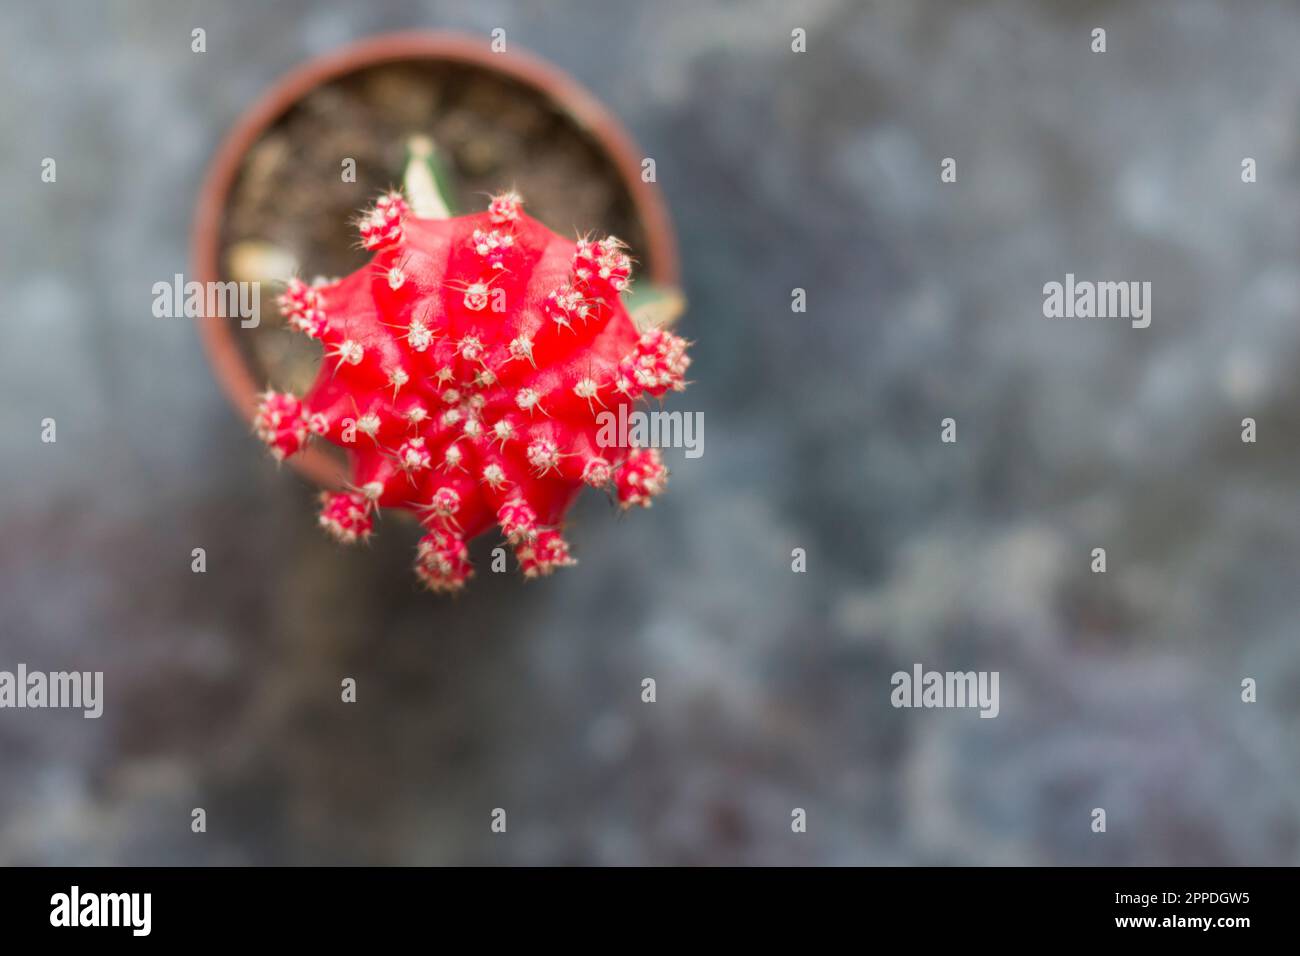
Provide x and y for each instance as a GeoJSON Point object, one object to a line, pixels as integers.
{"type": "Point", "coordinates": [463, 371]}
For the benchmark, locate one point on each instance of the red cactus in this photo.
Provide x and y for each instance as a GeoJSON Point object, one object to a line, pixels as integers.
{"type": "Point", "coordinates": [464, 371]}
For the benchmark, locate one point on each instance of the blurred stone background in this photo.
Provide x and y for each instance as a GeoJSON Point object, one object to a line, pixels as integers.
{"type": "Point", "coordinates": [818, 170]}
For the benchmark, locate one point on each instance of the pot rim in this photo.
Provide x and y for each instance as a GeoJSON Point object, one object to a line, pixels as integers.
{"type": "Point", "coordinates": [232, 370]}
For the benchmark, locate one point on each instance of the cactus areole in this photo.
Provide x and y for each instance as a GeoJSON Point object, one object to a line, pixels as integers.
{"type": "Point", "coordinates": [463, 371]}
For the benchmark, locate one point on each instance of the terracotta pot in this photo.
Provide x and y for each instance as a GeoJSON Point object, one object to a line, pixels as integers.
{"type": "Point", "coordinates": [228, 360]}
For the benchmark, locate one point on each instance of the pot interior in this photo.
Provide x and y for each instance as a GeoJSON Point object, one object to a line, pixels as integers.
{"type": "Point", "coordinates": [290, 201]}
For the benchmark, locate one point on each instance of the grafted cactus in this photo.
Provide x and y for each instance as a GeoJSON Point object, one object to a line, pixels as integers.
{"type": "Point", "coordinates": [463, 371]}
